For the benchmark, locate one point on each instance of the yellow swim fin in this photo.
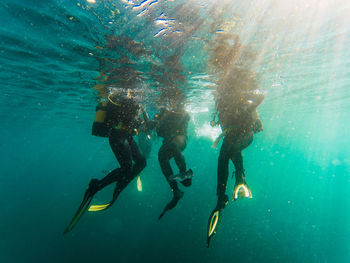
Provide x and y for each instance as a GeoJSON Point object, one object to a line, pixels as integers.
{"type": "Point", "coordinates": [240, 191]}
{"type": "Point", "coordinates": [139, 184]}
{"type": "Point", "coordinates": [95, 208]}
{"type": "Point", "coordinates": [213, 223]}
{"type": "Point", "coordinates": [215, 217]}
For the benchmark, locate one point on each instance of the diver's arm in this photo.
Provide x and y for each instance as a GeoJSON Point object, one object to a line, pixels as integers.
{"type": "Point", "coordinates": [213, 120]}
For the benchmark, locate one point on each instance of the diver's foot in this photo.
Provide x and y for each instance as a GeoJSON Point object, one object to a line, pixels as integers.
{"type": "Point", "coordinates": [93, 186]}
{"type": "Point", "coordinates": [182, 176]}
{"type": "Point", "coordinates": [186, 182]}
{"type": "Point", "coordinates": [178, 194]}
{"type": "Point", "coordinates": [239, 176]}
{"type": "Point", "coordinates": [241, 190]}
{"type": "Point", "coordinates": [187, 178]}
{"type": "Point", "coordinates": [240, 181]}
{"type": "Point", "coordinates": [222, 202]}
{"type": "Point", "coordinates": [189, 173]}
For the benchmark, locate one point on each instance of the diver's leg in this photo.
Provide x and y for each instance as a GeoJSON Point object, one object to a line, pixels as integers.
{"type": "Point", "coordinates": [109, 178]}
{"type": "Point", "coordinates": [139, 159]}
{"type": "Point", "coordinates": [119, 146]}
{"type": "Point", "coordinates": [222, 172]}
{"type": "Point", "coordinates": [237, 160]}
{"type": "Point", "coordinates": [124, 157]}
{"type": "Point", "coordinates": [179, 160]}
{"type": "Point", "coordinates": [238, 145]}
{"type": "Point", "coordinates": [179, 144]}
{"type": "Point", "coordinates": [241, 188]}
{"type": "Point", "coordinates": [181, 164]}
{"type": "Point", "coordinates": [140, 164]}
{"type": "Point", "coordinates": [122, 151]}
{"type": "Point", "coordinates": [164, 156]}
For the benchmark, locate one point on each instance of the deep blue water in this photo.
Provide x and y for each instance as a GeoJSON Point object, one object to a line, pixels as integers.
{"type": "Point", "coordinates": [298, 167]}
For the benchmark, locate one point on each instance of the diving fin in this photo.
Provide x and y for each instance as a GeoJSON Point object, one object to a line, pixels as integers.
{"type": "Point", "coordinates": [89, 194]}
{"type": "Point", "coordinates": [95, 208]}
{"type": "Point", "coordinates": [215, 218]}
{"type": "Point", "coordinates": [177, 196]}
{"type": "Point", "coordinates": [213, 224]}
{"type": "Point", "coordinates": [139, 184]}
{"type": "Point", "coordinates": [182, 176]}
{"type": "Point", "coordinates": [240, 191]}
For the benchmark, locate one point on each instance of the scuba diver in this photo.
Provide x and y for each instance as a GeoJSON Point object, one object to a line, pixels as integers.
{"type": "Point", "coordinates": [237, 98]}
{"type": "Point", "coordinates": [239, 121]}
{"type": "Point", "coordinates": [118, 120]}
{"type": "Point", "coordinates": [172, 126]}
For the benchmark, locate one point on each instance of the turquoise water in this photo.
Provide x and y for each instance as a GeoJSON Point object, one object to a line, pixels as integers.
{"type": "Point", "coordinates": [298, 167]}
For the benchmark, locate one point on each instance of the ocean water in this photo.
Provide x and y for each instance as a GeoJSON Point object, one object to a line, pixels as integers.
{"type": "Point", "coordinates": [298, 168]}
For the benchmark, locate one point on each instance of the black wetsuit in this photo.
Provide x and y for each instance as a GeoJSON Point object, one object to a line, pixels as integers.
{"type": "Point", "coordinates": [172, 126]}
{"type": "Point", "coordinates": [121, 118]}
{"type": "Point", "coordinates": [240, 124]}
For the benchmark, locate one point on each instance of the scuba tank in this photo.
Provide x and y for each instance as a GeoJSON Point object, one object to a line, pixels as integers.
{"type": "Point", "coordinates": [117, 113]}
{"type": "Point", "coordinates": [100, 127]}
